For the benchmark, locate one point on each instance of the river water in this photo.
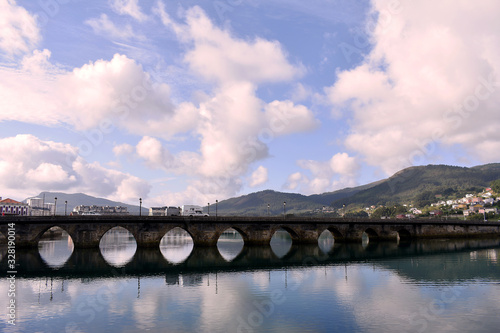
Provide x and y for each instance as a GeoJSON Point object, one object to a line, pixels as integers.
{"type": "Point", "coordinates": [431, 286]}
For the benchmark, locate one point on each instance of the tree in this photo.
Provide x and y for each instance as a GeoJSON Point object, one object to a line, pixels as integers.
{"type": "Point", "coordinates": [358, 214]}
{"type": "Point", "coordinates": [495, 185]}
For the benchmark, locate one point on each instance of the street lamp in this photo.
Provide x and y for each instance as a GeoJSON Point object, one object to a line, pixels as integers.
{"type": "Point", "coordinates": [55, 205]}
{"type": "Point", "coordinates": [323, 211]}
{"type": "Point", "coordinates": [284, 210]}
{"type": "Point", "coordinates": [209, 208]}
{"type": "Point", "coordinates": [268, 209]}
{"type": "Point", "coordinates": [343, 211]}
{"type": "Point", "coordinates": [216, 202]}
{"type": "Point", "coordinates": [140, 206]}
{"type": "Point", "coordinates": [65, 207]}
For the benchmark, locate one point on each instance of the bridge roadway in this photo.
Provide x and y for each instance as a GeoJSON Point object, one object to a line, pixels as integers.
{"type": "Point", "coordinates": [87, 231]}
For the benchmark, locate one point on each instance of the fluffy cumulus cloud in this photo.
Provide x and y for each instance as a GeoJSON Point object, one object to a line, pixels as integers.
{"type": "Point", "coordinates": [430, 80]}
{"type": "Point", "coordinates": [29, 165]}
{"type": "Point", "coordinates": [339, 172]}
{"type": "Point", "coordinates": [217, 55]}
{"type": "Point", "coordinates": [234, 125]}
{"type": "Point", "coordinates": [259, 177]}
{"type": "Point", "coordinates": [19, 32]}
{"type": "Point", "coordinates": [103, 94]}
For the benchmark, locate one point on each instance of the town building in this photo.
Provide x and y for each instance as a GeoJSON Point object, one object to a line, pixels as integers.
{"type": "Point", "coordinates": [157, 211]}
{"type": "Point", "coordinates": [13, 207]}
{"type": "Point", "coordinates": [38, 207]}
{"type": "Point", "coordinates": [99, 210]}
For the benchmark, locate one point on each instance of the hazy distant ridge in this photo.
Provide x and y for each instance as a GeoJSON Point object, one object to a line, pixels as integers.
{"type": "Point", "coordinates": [83, 199]}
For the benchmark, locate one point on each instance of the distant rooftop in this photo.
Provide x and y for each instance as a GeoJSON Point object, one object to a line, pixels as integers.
{"type": "Point", "coordinates": [10, 201]}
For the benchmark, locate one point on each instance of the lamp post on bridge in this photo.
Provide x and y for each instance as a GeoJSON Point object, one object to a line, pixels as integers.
{"type": "Point", "coordinates": [140, 207]}
{"type": "Point", "coordinates": [65, 207]}
{"type": "Point", "coordinates": [216, 202]}
{"type": "Point", "coordinates": [55, 206]}
{"type": "Point", "coordinates": [268, 210]}
{"type": "Point", "coordinates": [284, 209]}
{"type": "Point", "coordinates": [208, 208]}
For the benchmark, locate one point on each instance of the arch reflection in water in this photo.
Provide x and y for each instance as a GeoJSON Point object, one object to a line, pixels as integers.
{"type": "Point", "coordinates": [230, 244]}
{"type": "Point", "coordinates": [281, 243]}
{"type": "Point", "coordinates": [55, 247]}
{"type": "Point", "coordinates": [326, 241]}
{"type": "Point", "coordinates": [176, 245]}
{"type": "Point", "coordinates": [118, 246]}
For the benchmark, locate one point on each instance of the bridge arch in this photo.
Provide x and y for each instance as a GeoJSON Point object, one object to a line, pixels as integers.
{"type": "Point", "coordinates": [337, 235]}
{"type": "Point", "coordinates": [176, 245]}
{"type": "Point", "coordinates": [168, 229]}
{"type": "Point", "coordinates": [231, 245]}
{"type": "Point", "coordinates": [293, 234]}
{"type": "Point", "coordinates": [43, 230]}
{"type": "Point", "coordinates": [116, 247]}
{"type": "Point", "coordinates": [104, 231]}
{"type": "Point", "coordinates": [55, 246]}
{"type": "Point", "coordinates": [371, 234]}
{"type": "Point", "coordinates": [404, 235]}
{"type": "Point", "coordinates": [242, 233]}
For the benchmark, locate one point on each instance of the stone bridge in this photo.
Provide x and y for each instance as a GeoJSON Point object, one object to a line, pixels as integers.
{"type": "Point", "coordinates": [87, 231]}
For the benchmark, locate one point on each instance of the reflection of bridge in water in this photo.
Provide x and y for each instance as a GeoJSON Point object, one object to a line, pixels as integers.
{"type": "Point", "coordinates": [89, 263]}
{"type": "Point", "coordinates": [87, 231]}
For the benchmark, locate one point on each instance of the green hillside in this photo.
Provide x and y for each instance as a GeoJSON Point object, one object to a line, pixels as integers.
{"type": "Point", "coordinates": [416, 185]}
{"type": "Point", "coordinates": [420, 185]}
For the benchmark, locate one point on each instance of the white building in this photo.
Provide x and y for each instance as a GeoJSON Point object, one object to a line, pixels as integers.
{"type": "Point", "coordinates": [99, 210]}
{"type": "Point", "coordinates": [39, 208]}
{"type": "Point", "coordinates": [157, 211]}
{"type": "Point", "coordinates": [13, 207]}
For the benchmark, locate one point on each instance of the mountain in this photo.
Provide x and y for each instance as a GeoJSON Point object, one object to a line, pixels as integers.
{"type": "Point", "coordinates": [418, 185]}
{"type": "Point", "coordinates": [255, 204]}
{"type": "Point", "coordinates": [421, 184]}
{"type": "Point", "coordinates": [83, 199]}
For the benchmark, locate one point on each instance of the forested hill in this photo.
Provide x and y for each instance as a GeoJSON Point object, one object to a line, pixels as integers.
{"type": "Point", "coordinates": [417, 185]}
{"type": "Point", "coordinates": [420, 185]}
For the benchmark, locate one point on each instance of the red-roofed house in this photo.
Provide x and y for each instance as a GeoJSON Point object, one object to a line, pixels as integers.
{"type": "Point", "coordinates": [13, 207]}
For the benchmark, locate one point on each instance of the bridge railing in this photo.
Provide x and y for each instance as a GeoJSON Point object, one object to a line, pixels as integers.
{"type": "Point", "coordinates": [230, 219]}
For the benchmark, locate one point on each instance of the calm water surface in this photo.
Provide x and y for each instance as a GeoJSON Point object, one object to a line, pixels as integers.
{"type": "Point", "coordinates": [433, 286]}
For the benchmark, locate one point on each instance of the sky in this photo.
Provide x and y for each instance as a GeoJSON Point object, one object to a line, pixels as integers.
{"type": "Point", "coordinates": [188, 102]}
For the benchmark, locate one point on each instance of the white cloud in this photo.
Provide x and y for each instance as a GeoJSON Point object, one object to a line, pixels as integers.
{"type": "Point", "coordinates": [284, 118]}
{"type": "Point", "coordinates": [234, 125]}
{"type": "Point", "coordinates": [99, 95]}
{"type": "Point", "coordinates": [259, 177]}
{"type": "Point", "coordinates": [128, 7]}
{"type": "Point", "coordinates": [219, 56]}
{"type": "Point", "coordinates": [29, 165]}
{"type": "Point", "coordinates": [105, 27]}
{"type": "Point", "coordinates": [123, 149]}
{"type": "Point", "coordinates": [427, 82]}
{"type": "Point", "coordinates": [340, 171]}
{"type": "Point", "coordinates": [294, 181]}
{"type": "Point", "coordinates": [19, 32]}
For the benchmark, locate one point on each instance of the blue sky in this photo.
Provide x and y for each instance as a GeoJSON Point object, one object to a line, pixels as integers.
{"type": "Point", "coordinates": [193, 101]}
